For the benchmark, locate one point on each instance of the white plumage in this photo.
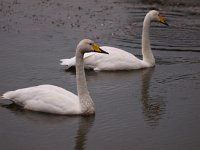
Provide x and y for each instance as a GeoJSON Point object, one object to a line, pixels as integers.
{"type": "Point", "coordinates": [120, 59]}
{"type": "Point", "coordinates": [115, 59]}
{"type": "Point", "coordinates": [56, 100]}
{"type": "Point", "coordinates": [46, 98]}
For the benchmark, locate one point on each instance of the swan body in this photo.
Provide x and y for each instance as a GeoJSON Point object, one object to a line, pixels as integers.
{"type": "Point", "coordinates": [118, 58]}
{"type": "Point", "coordinates": [54, 99]}
{"type": "Point", "coordinates": [46, 98]}
{"type": "Point", "coordinates": [122, 60]}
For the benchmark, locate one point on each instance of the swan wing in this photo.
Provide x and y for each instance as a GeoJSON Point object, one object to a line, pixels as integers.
{"type": "Point", "coordinates": [46, 98]}
{"type": "Point", "coordinates": [116, 60]}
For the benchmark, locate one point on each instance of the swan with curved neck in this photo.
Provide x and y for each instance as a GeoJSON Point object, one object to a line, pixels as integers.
{"type": "Point", "coordinates": [120, 59]}
{"type": "Point", "coordinates": [56, 100]}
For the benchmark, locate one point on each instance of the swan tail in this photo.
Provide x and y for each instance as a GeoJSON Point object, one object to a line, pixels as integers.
{"type": "Point", "coordinates": [71, 62]}
{"type": "Point", "coordinates": [68, 62]}
{"type": "Point", "coordinates": [8, 95]}
{"type": "Point", "coordinates": [15, 97]}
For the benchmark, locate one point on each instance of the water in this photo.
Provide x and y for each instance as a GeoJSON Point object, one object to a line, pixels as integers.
{"type": "Point", "coordinates": [156, 108]}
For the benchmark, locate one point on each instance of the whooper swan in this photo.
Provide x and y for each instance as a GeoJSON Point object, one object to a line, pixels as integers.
{"type": "Point", "coordinates": [118, 58]}
{"type": "Point", "coordinates": [56, 100]}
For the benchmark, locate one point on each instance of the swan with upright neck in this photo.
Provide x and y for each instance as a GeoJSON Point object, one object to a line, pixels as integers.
{"type": "Point", "coordinates": [56, 100]}
{"type": "Point", "coordinates": [120, 59]}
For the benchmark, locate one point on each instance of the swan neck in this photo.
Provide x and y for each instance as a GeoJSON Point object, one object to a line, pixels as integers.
{"type": "Point", "coordinates": [86, 102]}
{"type": "Point", "coordinates": [80, 75]}
{"type": "Point", "coordinates": [146, 47]}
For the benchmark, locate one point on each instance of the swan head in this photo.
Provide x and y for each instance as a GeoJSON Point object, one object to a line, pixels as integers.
{"type": "Point", "coordinates": [155, 16]}
{"type": "Point", "coordinates": [87, 45]}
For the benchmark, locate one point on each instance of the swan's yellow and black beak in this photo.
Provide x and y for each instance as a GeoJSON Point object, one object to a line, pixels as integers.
{"type": "Point", "coordinates": [97, 49]}
{"type": "Point", "coordinates": [162, 20]}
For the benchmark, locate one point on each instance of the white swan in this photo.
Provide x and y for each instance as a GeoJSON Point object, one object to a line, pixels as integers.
{"type": "Point", "coordinates": [53, 99]}
{"type": "Point", "coordinates": [120, 59]}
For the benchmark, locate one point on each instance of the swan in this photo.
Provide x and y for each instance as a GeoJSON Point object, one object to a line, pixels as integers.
{"type": "Point", "coordinates": [118, 58]}
{"type": "Point", "coordinates": [56, 100]}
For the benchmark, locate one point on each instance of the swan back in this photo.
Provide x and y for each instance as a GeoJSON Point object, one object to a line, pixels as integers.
{"type": "Point", "coordinates": [46, 98]}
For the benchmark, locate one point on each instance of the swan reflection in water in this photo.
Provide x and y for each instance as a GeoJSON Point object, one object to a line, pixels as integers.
{"type": "Point", "coordinates": [85, 123]}
{"type": "Point", "coordinates": [56, 126]}
{"type": "Point", "coordinates": [153, 106]}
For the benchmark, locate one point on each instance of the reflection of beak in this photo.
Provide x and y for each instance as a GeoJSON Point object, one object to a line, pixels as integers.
{"type": "Point", "coordinates": [96, 48]}
{"type": "Point", "coordinates": [162, 20]}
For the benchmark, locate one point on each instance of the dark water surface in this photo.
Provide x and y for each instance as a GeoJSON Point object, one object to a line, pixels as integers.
{"type": "Point", "coordinates": [149, 109]}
